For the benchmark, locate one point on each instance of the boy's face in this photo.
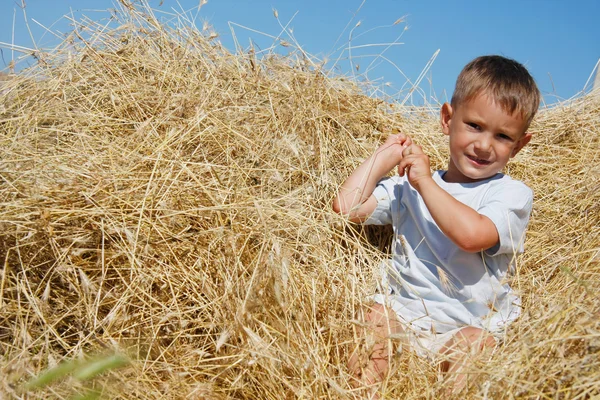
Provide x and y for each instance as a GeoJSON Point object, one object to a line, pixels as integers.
{"type": "Point", "coordinates": [483, 137]}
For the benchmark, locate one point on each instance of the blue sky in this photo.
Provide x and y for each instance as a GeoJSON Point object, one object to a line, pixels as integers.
{"type": "Point", "coordinates": [558, 40]}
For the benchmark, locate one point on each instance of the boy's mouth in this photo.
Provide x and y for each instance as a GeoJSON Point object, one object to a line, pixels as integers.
{"type": "Point", "coordinates": [478, 161]}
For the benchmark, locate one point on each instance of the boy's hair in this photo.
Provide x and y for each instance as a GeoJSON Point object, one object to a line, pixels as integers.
{"type": "Point", "coordinates": [506, 81]}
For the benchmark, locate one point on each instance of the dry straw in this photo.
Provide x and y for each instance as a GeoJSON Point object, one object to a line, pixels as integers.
{"type": "Point", "coordinates": [167, 198]}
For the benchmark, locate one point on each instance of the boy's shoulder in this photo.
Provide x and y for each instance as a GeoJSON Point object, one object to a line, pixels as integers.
{"type": "Point", "coordinates": [501, 180]}
{"type": "Point", "coordinates": [498, 188]}
{"type": "Point", "coordinates": [503, 188]}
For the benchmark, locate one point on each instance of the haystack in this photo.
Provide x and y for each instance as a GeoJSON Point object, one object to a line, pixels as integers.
{"type": "Point", "coordinates": [169, 200]}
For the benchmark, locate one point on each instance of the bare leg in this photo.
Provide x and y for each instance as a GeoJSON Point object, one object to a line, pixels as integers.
{"type": "Point", "coordinates": [460, 351]}
{"type": "Point", "coordinates": [371, 369]}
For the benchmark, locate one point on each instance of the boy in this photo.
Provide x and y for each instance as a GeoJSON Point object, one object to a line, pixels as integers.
{"type": "Point", "coordinates": [456, 232]}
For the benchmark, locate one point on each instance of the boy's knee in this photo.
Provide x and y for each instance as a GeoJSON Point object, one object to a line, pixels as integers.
{"type": "Point", "coordinates": [472, 336]}
{"type": "Point", "coordinates": [379, 315]}
{"type": "Point", "coordinates": [376, 314]}
{"type": "Point", "coordinates": [469, 338]}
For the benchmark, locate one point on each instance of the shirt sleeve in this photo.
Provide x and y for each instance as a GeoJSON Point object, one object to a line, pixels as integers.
{"type": "Point", "coordinates": [509, 207]}
{"type": "Point", "coordinates": [385, 193]}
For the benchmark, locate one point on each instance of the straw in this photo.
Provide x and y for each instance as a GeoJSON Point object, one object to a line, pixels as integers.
{"type": "Point", "coordinates": [169, 199]}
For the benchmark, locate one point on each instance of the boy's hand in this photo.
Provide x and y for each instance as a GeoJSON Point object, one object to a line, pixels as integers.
{"type": "Point", "coordinates": [355, 197]}
{"type": "Point", "coordinates": [415, 163]}
{"type": "Point", "coordinates": [394, 147]}
{"type": "Point", "coordinates": [399, 138]}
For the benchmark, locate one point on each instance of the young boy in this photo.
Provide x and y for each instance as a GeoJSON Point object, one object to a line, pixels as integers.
{"type": "Point", "coordinates": [456, 232]}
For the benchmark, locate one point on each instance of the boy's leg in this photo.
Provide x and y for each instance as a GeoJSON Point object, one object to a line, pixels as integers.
{"type": "Point", "coordinates": [381, 322]}
{"type": "Point", "coordinates": [459, 352]}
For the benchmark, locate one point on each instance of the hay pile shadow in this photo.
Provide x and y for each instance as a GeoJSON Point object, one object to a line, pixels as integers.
{"type": "Point", "coordinates": [165, 197]}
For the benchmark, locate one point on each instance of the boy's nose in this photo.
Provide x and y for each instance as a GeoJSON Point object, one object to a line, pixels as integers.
{"type": "Point", "coordinates": [483, 143]}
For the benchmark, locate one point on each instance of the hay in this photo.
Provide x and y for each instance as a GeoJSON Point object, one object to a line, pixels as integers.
{"type": "Point", "coordinates": [166, 198]}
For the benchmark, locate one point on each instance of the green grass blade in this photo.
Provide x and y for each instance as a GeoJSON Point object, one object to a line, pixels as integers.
{"type": "Point", "coordinates": [60, 371]}
{"type": "Point", "coordinates": [100, 365]}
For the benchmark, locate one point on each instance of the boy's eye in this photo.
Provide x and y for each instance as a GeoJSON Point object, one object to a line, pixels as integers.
{"type": "Point", "coordinates": [504, 136]}
{"type": "Point", "coordinates": [473, 125]}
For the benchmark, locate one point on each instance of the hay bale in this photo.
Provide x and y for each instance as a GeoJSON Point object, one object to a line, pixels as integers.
{"type": "Point", "coordinates": [165, 197]}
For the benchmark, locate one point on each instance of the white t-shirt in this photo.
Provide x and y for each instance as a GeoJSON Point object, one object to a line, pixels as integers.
{"type": "Point", "coordinates": [432, 284]}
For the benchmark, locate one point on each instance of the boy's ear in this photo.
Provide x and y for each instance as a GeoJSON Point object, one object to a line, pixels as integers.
{"type": "Point", "coordinates": [521, 143]}
{"type": "Point", "coordinates": [445, 117]}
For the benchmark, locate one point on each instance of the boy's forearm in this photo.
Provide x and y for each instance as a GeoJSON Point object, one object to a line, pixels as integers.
{"type": "Point", "coordinates": [359, 186]}
{"type": "Point", "coordinates": [468, 229]}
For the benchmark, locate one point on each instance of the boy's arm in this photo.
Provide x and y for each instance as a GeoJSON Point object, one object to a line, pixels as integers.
{"type": "Point", "coordinates": [469, 230]}
{"type": "Point", "coordinates": [355, 197]}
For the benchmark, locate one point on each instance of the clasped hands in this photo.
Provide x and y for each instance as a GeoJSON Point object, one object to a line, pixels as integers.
{"type": "Point", "coordinates": [408, 157]}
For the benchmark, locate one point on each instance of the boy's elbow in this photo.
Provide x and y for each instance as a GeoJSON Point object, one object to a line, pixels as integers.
{"type": "Point", "coordinates": [477, 237]}
{"type": "Point", "coordinates": [335, 205]}
{"type": "Point", "coordinates": [475, 243]}
{"type": "Point", "coordinates": [338, 208]}
{"type": "Point", "coordinates": [470, 247]}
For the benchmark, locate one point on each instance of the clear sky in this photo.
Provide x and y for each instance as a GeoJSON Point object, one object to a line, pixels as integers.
{"type": "Point", "coordinates": [558, 40]}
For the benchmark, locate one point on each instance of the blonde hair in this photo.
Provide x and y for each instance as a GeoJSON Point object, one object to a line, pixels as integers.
{"type": "Point", "coordinates": [506, 81]}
